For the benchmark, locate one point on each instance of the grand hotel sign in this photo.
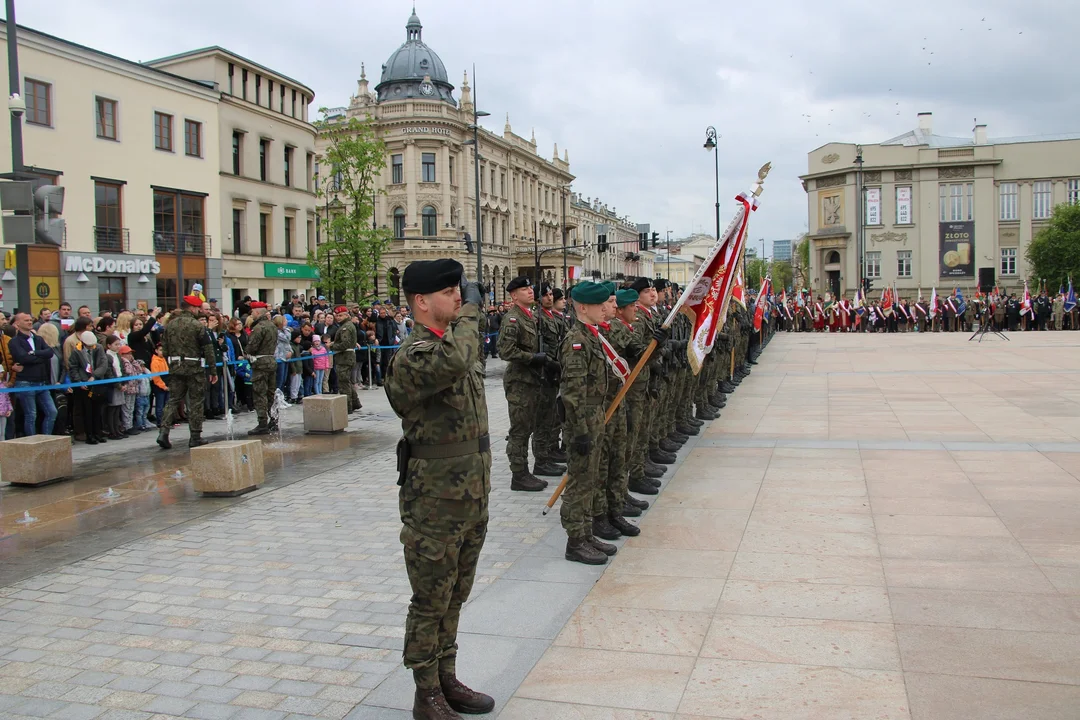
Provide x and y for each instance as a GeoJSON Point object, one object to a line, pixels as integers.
{"type": "Point", "coordinates": [426, 130]}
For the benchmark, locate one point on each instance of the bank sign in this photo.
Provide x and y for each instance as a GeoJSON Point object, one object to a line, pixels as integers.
{"type": "Point", "coordinates": [99, 264]}
{"type": "Point", "coordinates": [279, 270]}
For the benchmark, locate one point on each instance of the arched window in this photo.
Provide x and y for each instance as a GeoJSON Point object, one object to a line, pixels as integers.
{"type": "Point", "coordinates": [834, 257]}
{"type": "Point", "coordinates": [399, 222]}
{"type": "Point", "coordinates": [393, 277]}
{"type": "Point", "coordinates": [430, 222]}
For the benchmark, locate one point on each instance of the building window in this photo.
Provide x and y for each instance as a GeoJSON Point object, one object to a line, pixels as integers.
{"type": "Point", "coordinates": [428, 162]}
{"type": "Point", "coordinates": [956, 201]}
{"type": "Point", "coordinates": [38, 103]}
{"type": "Point", "coordinates": [269, 94]}
{"type": "Point", "coordinates": [108, 221]}
{"type": "Point", "coordinates": [237, 151]}
{"type": "Point", "coordinates": [502, 184]}
{"type": "Point", "coordinates": [430, 219]}
{"type": "Point", "coordinates": [111, 294]}
{"type": "Point", "coordinates": [903, 205]}
{"type": "Point", "coordinates": [232, 70]}
{"type": "Point", "coordinates": [288, 236]}
{"type": "Point", "coordinates": [452, 181]}
{"type": "Point", "coordinates": [258, 88]}
{"type": "Point", "coordinates": [264, 149]}
{"type": "Point", "coordinates": [399, 222]}
{"type": "Point", "coordinates": [193, 138]}
{"type": "Point", "coordinates": [397, 170]}
{"type": "Point", "coordinates": [163, 131]}
{"type": "Point", "coordinates": [1008, 261]}
{"type": "Point", "coordinates": [106, 119]}
{"type": "Point", "coordinates": [315, 176]}
{"type": "Point", "coordinates": [1008, 194]}
{"type": "Point", "coordinates": [873, 264]}
{"type": "Point", "coordinates": [1074, 192]}
{"type": "Point", "coordinates": [292, 111]}
{"type": "Point", "coordinates": [483, 172]}
{"type": "Point", "coordinates": [1042, 200]}
{"type": "Point", "coordinates": [310, 167]}
{"type": "Point", "coordinates": [243, 82]}
{"type": "Point", "coordinates": [288, 166]}
{"type": "Point", "coordinates": [281, 107]}
{"type": "Point", "coordinates": [264, 234]}
{"type": "Point", "coordinates": [237, 231]}
{"type": "Point", "coordinates": [903, 263]}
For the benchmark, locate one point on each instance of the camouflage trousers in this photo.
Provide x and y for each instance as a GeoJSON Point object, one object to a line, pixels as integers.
{"type": "Point", "coordinates": [582, 474]}
{"type": "Point", "coordinates": [521, 404]}
{"type": "Point", "coordinates": [610, 495]}
{"type": "Point", "coordinates": [442, 540]}
{"type": "Point", "coordinates": [637, 432]}
{"type": "Point", "coordinates": [660, 423]}
{"type": "Point", "coordinates": [343, 365]}
{"type": "Point", "coordinates": [545, 439]}
{"type": "Point", "coordinates": [190, 390]}
{"type": "Point", "coordinates": [685, 410]}
{"type": "Point", "coordinates": [263, 385]}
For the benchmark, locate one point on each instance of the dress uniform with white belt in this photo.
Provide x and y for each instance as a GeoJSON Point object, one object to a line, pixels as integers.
{"type": "Point", "coordinates": [190, 353]}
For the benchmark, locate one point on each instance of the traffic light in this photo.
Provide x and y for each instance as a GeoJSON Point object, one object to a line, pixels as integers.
{"type": "Point", "coordinates": [868, 285]}
{"type": "Point", "coordinates": [468, 244]}
{"type": "Point", "coordinates": [35, 202]}
{"type": "Point", "coordinates": [601, 243]}
{"type": "Point", "coordinates": [655, 239]}
{"type": "Point", "coordinates": [643, 241]}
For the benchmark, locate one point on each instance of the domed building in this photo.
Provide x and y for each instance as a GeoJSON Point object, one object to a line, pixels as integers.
{"type": "Point", "coordinates": [429, 190]}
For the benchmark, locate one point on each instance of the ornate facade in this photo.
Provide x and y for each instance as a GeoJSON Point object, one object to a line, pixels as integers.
{"type": "Point", "coordinates": [427, 191]}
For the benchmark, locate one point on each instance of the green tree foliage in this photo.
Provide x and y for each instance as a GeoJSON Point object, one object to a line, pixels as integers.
{"type": "Point", "coordinates": [756, 268]}
{"type": "Point", "coordinates": [781, 275]}
{"type": "Point", "coordinates": [802, 262]}
{"type": "Point", "coordinates": [1054, 253]}
{"type": "Point", "coordinates": [350, 257]}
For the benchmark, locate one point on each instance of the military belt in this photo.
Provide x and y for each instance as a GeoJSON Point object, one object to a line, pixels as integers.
{"type": "Point", "coordinates": [450, 450]}
{"type": "Point", "coordinates": [177, 358]}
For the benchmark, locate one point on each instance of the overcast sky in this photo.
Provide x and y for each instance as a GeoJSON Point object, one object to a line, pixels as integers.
{"type": "Point", "coordinates": [629, 86]}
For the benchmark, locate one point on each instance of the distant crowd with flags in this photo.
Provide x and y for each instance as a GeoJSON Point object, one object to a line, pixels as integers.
{"type": "Point", "coordinates": [954, 312]}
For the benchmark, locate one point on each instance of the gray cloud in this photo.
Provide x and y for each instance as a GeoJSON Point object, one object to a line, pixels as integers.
{"type": "Point", "coordinates": [628, 87]}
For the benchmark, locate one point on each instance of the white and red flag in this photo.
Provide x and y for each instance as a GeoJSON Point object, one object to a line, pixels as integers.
{"type": "Point", "coordinates": [762, 301]}
{"type": "Point", "coordinates": [886, 301]}
{"type": "Point", "coordinates": [1025, 307]}
{"type": "Point", "coordinates": [706, 298]}
{"type": "Point", "coordinates": [933, 302]}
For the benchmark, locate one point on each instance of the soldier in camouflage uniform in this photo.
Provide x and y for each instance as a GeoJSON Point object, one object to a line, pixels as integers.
{"type": "Point", "coordinates": [584, 386]}
{"type": "Point", "coordinates": [519, 346]}
{"type": "Point", "coordinates": [260, 352]}
{"type": "Point", "coordinates": [643, 470]}
{"type": "Point", "coordinates": [435, 383]}
{"type": "Point", "coordinates": [188, 349]}
{"type": "Point", "coordinates": [545, 439]}
{"type": "Point", "coordinates": [344, 349]}
{"type": "Point", "coordinates": [611, 505]}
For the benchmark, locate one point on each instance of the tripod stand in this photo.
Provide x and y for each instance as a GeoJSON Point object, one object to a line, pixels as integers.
{"type": "Point", "coordinates": [984, 328]}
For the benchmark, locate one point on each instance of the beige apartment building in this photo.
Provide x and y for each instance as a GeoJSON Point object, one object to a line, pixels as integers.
{"type": "Point", "coordinates": [137, 151]}
{"type": "Point", "coordinates": [427, 191]}
{"type": "Point", "coordinates": [266, 147]}
{"type": "Point", "coordinates": [936, 211]}
{"type": "Point", "coordinates": [612, 247]}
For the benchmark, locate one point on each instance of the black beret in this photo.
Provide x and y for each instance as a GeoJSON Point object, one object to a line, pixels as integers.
{"type": "Point", "coordinates": [518, 282]}
{"type": "Point", "coordinates": [660, 283]}
{"type": "Point", "coordinates": [429, 276]}
{"type": "Point", "coordinates": [642, 283]}
{"type": "Point", "coordinates": [557, 294]}
{"type": "Point", "coordinates": [545, 288]}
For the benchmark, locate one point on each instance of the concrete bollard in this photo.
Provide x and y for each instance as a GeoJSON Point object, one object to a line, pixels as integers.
{"type": "Point", "coordinates": [37, 460]}
{"type": "Point", "coordinates": [227, 468]}
{"type": "Point", "coordinates": [326, 413]}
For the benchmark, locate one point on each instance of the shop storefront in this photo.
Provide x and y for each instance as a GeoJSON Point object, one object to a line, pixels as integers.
{"type": "Point", "coordinates": [270, 282]}
{"type": "Point", "coordinates": [107, 282]}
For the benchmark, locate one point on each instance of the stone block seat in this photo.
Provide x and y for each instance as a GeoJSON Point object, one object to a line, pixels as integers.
{"type": "Point", "coordinates": [227, 468]}
{"type": "Point", "coordinates": [325, 413]}
{"type": "Point", "coordinates": [37, 460]}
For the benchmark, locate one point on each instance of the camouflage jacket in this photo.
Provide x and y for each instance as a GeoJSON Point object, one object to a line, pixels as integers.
{"type": "Point", "coordinates": [585, 377]}
{"type": "Point", "coordinates": [519, 340]}
{"type": "Point", "coordinates": [187, 346]}
{"type": "Point", "coordinates": [344, 345]}
{"type": "Point", "coordinates": [627, 345]}
{"type": "Point", "coordinates": [436, 386]}
{"type": "Point", "coordinates": [261, 343]}
{"type": "Point", "coordinates": [552, 330]}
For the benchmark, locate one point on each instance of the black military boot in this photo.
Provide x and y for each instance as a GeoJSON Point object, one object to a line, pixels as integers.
{"type": "Point", "coordinates": [654, 471]}
{"type": "Point", "coordinates": [635, 502]}
{"type": "Point", "coordinates": [727, 387]}
{"type": "Point", "coordinates": [526, 482]}
{"type": "Point", "coordinates": [463, 698]}
{"type": "Point", "coordinates": [261, 429]}
{"type": "Point", "coordinates": [163, 438]}
{"type": "Point", "coordinates": [606, 548]}
{"type": "Point", "coordinates": [273, 425]}
{"type": "Point", "coordinates": [196, 440]}
{"type": "Point", "coordinates": [694, 422]}
{"type": "Point", "coordinates": [641, 487]}
{"type": "Point", "coordinates": [558, 456]}
{"type": "Point", "coordinates": [626, 528]}
{"type": "Point", "coordinates": [430, 704]}
{"type": "Point", "coordinates": [663, 457]}
{"type": "Point", "coordinates": [629, 510]}
{"type": "Point", "coordinates": [546, 467]}
{"type": "Point", "coordinates": [687, 430]}
{"type": "Point", "coordinates": [677, 437]}
{"type": "Point", "coordinates": [705, 414]}
{"type": "Point", "coordinates": [602, 528]}
{"type": "Point", "coordinates": [581, 550]}
{"type": "Point", "coordinates": [669, 447]}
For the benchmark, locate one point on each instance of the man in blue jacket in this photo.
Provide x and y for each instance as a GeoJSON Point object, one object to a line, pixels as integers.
{"type": "Point", "coordinates": [33, 365]}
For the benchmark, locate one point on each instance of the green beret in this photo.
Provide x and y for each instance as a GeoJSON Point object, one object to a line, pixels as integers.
{"type": "Point", "coordinates": [610, 286]}
{"type": "Point", "coordinates": [626, 297]}
{"type": "Point", "coordinates": [590, 293]}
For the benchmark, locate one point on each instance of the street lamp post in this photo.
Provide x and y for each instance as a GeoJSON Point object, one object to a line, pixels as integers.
{"type": "Point", "coordinates": [669, 255]}
{"type": "Point", "coordinates": [475, 127]}
{"type": "Point", "coordinates": [710, 144]}
{"type": "Point", "coordinates": [860, 238]}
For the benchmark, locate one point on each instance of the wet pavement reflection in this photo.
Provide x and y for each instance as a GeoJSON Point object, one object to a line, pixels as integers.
{"type": "Point", "coordinates": [153, 491]}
